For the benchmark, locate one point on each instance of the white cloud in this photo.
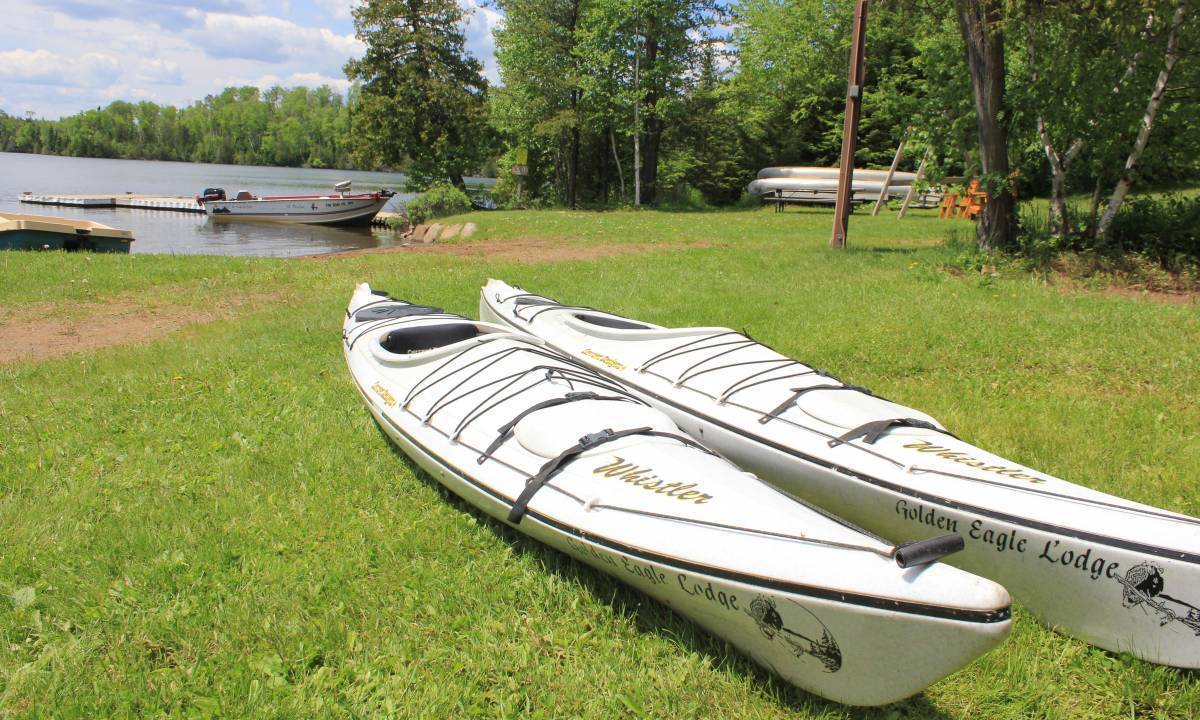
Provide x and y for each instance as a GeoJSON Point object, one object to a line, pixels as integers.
{"type": "Point", "coordinates": [312, 80]}
{"type": "Point", "coordinates": [268, 39]}
{"type": "Point", "coordinates": [58, 57]}
{"type": "Point", "coordinates": [164, 72]}
{"type": "Point", "coordinates": [307, 79]}
{"type": "Point", "coordinates": [338, 8]}
{"type": "Point", "coordinates": [480, 22]}
{"type": "Point", "coordinates": [41, 67]}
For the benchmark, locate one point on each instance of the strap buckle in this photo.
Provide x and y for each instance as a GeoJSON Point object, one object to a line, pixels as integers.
{"type": "Point", "coordinates": [591, 440]}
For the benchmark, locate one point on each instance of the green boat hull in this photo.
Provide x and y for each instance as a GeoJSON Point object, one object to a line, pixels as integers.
{"type": "Point", "coordinates": [23, 239]}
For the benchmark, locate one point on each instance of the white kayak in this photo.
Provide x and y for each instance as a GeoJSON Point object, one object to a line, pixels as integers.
{"type": "Point", "coordinates": [572, 460]}
{"type": "Point", "coordinates": [1115, 573]}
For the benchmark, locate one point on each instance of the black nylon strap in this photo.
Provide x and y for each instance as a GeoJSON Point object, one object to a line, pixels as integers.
{"type": "Point", "coordinates": [797, 392]}
{"type": "Point", "coordinates": [587, 442]}
{"type": "Point", "coordinates": [870, 432]}
{"type": "Point", "coordinates": [533, 300]}
{"type": "Point", "coordinates": [505, 430]}
{"type": "Point", "coordinates": [389, 309]}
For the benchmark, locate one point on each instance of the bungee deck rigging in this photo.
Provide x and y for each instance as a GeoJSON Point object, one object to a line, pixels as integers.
{"type": "Point", "coordinates": [868, 432]}
{"type": "Point", "coordinates": [578, 375]}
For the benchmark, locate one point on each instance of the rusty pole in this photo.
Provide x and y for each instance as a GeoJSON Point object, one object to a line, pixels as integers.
{"type": "Point", "coordinates": [858, 70]}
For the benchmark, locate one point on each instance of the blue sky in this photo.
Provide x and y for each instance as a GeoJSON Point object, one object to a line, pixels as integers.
{"type": "Point", "coordinates": [58, 57]}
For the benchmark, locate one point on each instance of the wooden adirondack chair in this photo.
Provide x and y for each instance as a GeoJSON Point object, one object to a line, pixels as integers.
{"type": "Point", "coordinates": [973, 202]}
{"type": "Point", "coordinates": [949, 206]}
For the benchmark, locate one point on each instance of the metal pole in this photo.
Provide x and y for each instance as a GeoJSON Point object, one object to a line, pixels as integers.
{"type": "Point", "coordinates": [887, 183]}
{"type": "Point", "coordinates": [858, 67]}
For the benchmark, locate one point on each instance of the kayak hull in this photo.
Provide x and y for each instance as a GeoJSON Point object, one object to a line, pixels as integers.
{"type": "Point", "coordinates": [841, 641]}
{"type": "Point", "coordinates": [1119, 575]}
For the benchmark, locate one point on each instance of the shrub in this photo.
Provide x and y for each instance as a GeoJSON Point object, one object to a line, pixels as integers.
{"type": "Point", "coordinates": [682, 197]}
{"type": "Point", "coordinates": [1165, 229]}
{"type": "Point", "coordinates": [438, 201]}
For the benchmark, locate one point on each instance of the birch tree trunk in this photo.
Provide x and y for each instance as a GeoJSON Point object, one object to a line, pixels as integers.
{"type": "Point", "coordinates": [1152, 106]}
{"type": "Point", "coordinates": [1061, 163]}
{"type": "Point", "coordinates": [637, 123]}
{"type": "Point", "coordinates": [612, 137]}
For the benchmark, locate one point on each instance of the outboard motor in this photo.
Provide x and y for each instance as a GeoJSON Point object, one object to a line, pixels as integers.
{"type": "Point", "coordinates": [211, 194]}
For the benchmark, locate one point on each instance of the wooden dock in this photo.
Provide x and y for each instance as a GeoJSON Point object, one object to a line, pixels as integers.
{"type": "Point", "coordinates": [123, 200]}
{"type": "Point", "coordinates": [169, 203]}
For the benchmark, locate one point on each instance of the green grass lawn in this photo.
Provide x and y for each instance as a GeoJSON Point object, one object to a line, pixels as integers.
{"type": "Point", "coordinates": [211, 525]}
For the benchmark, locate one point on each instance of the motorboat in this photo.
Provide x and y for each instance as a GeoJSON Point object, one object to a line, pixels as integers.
{"type": "Point", "coordinates": [341, 207]}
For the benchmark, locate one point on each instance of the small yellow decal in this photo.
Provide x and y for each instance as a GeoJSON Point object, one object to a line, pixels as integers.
{"type": "Point", "coordinates": [383, 393]}
{"type": "Point", "coordinates": [610, 362]}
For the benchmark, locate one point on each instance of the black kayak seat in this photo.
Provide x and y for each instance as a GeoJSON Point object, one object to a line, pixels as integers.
{"type": "Point", "coordinates": [611, 322]}
{"type": "Point", "coordinates": [396, 310]}
{"type": "Point", "coordinates": [427, 337]}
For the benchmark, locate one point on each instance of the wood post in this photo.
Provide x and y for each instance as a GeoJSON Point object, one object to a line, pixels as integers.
{"type": "Point", "coordinates": [887, 183]}
{"type": "Point", "coordinates": [854, 91]}
{"type": "Point", "coordinates": [912, 189]}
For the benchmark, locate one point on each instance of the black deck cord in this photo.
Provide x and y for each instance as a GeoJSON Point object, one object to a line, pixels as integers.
{"type": "Point", "coordinates": [797, 392]}
{"type": "Point", "coordinates": [870, 432]}
{"type": "Point", "coordinates": [505, 430]}
{"type": "Point", "coordinates": [587, 442]}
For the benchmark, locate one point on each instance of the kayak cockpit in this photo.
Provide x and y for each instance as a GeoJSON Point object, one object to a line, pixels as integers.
{"type": "Point", "coordinates": [610, 321]}
{"type": "Point", "coordinates": [408, 340]}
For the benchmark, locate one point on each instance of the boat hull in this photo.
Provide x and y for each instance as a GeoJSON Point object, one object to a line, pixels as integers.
{"type": "Point", "coordinates": [70, 242]}
{"type": "Point", "coordinates": [1084, 572]}
{"type": "Point", "coordinates": [348, 211]}
{"type": "Point", "coordinates": [20, 231]}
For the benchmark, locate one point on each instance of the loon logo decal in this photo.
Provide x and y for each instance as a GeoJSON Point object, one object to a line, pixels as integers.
{"type": "Point", "coordinates": [806, 637]}
{"type": "Point", "coordinates": [1143, 587]}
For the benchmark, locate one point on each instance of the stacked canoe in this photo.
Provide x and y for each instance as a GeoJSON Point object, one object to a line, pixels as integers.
{"type": "Point", "coordinates": [818, 185]}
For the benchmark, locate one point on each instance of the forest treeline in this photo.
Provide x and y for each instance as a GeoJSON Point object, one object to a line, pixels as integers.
{"type": "Point", "coordinates": [628, 102]}
{"type": "Point", "coordinates": [652, 101]}
{"type": "Point", "coordinates": [297, 127]}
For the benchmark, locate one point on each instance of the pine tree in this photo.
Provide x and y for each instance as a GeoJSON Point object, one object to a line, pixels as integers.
{"type": "Point", "coordinates": [423, 101]}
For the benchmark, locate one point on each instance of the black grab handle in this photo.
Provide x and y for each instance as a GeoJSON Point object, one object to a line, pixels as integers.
{"type": "Point", "coordinates": [923, 552]}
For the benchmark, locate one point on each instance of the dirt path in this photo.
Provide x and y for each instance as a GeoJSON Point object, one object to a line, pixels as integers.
{"type": "Point", "coordinates": [49, 330]}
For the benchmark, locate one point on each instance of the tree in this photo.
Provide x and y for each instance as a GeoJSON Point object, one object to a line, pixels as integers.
{"type": "Point", "coordinates": [981, 25]}
{"type": "Point", "coordinates": [536, 49]}
{"type": "Point", "coordinates": [1147, 124]}
{"type": "Point", "coordinates": [423, 100]}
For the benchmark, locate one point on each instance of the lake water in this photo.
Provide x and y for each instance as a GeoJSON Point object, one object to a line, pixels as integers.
{"type": "Point", "coordinates": [188, 233]}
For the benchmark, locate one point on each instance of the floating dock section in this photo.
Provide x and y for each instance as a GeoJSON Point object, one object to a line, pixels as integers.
{"type": "Point", "coordinates": [124, 200]}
